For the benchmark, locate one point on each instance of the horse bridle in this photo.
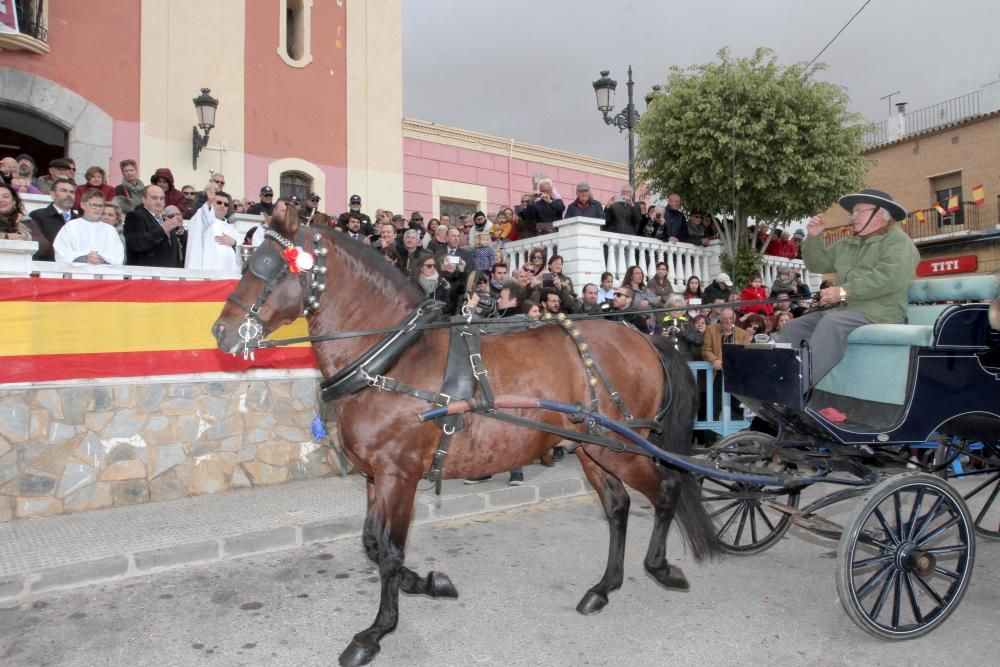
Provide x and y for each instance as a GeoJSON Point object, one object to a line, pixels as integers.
{"type": "Point", "coordinates": [270, 265]}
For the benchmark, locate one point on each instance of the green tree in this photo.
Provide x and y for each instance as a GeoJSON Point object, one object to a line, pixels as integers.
{"type": "Point", "coordinates": [749, 137]}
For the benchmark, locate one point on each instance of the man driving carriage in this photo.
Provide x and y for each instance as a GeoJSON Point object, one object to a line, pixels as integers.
{"type": "Point", "coordinates": [874, 270]}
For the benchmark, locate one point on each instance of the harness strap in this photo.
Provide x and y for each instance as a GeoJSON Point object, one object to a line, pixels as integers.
{"type": "Point", "coordinates": [384, 383]}
{"type": "Point", "coordinates": [437, 464]}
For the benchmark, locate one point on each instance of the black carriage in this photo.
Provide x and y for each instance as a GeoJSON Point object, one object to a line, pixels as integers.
{"type": "Point", "coordinates": [909, 422]}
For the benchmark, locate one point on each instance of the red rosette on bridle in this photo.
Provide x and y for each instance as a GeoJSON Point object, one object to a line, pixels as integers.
{"type": "Point", "coordinates": [299, 260]}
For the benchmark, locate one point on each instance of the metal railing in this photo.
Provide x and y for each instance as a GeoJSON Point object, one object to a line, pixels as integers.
{"type": "Point", "coordinates": [31, 19]}
{"type": "Point", "coordinates": [967, 220]}
{"type": "Point", "coordinates": [926, 118]}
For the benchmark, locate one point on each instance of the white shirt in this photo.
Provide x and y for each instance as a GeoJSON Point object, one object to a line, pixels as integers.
{"type": "Point", "coordinates": [203, 251]}
{"type": "Point", "coordinates": [79, 237]}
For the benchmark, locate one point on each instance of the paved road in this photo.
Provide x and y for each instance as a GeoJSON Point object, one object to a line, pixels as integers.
{"type": "Point", "coordinates": [520, 573]}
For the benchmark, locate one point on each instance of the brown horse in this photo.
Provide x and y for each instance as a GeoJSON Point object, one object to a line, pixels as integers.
{"type": "Point", "coordinates": [394, 451]}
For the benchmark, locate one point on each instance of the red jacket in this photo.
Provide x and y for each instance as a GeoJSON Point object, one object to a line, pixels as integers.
{"type": "Point", "coordinates": [754, 294]}
{"type": "Point", "coordinates": [107, 190]}
{"type": "Point", "coordinates": [779, 248]}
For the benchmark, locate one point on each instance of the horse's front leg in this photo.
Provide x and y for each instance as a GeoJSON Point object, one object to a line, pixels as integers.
{"type": "Point", "coordinates": [389, 516]}
{"type": "Point", "coordinates": [435, 584]}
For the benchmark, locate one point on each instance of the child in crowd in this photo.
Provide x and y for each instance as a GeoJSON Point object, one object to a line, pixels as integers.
{"type": "Point", "coordinates": [754, 292]}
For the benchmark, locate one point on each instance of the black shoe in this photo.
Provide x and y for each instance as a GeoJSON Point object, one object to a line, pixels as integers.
{"type": "Point", "coordinates": [477, 480]}
{"type": "Point", "coordinates": [516, 478]}
{"type": "Point", "coordinates": [558, 453]}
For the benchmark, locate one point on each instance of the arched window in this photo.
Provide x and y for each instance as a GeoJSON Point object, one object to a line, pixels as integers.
{"type": "Point", "coordinates": [294, 32]}
{"type": "Point", "coordinates": [295, 183]}
{"type": "Point", "coordinates": [22, 131]}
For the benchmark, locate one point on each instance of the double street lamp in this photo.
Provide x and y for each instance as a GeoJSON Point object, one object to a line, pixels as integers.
{"type": "Point", "coordinates": [626, 119]}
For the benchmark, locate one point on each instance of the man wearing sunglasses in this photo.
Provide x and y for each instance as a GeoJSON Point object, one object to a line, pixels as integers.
{"type": "Point", "coordinates": [212, 239]}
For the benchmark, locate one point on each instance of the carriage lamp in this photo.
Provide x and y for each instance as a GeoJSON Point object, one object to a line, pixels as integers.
{"type": "Point", "coordinates": [205, 107]}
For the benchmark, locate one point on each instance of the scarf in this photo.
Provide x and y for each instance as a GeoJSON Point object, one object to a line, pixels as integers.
{"type": "Point", "coordinates": [779, 286]}
{"type": "Point", "coordinates": [428, 284]}
{"type": "Point", "coordinates": [134, 190]}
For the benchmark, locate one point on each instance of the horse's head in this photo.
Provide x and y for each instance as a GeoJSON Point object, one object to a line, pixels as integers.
{"type": "Point", "coordinates": [281, 283]}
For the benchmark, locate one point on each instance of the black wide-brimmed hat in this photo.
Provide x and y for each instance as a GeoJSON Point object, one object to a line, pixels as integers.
{"type": "Point", "coordinates": [876, 198]}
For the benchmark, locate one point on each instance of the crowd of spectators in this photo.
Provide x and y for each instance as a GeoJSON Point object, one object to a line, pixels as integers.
{"type": "Point", "coordinates": [458, 262]}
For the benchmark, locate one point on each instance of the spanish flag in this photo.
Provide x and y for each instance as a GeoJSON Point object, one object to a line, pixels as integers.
{"type": "Point", "coordinates": [919, 216]}
{"type": "Point", "coordinates": [940, 209]}
{"type": "Point", "coordinates": [978, 195]}
{"type": "Point", "coordinates": [58, 329]}
{"type": "Point", "coordinates": [953, 204]}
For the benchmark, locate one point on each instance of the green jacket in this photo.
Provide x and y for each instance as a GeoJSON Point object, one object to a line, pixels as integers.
{"type": "Point", "coordinates": [875, 270]}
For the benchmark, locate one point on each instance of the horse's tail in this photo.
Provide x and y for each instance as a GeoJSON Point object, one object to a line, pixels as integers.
{"type": "Point", "coordinates": [677, 419]}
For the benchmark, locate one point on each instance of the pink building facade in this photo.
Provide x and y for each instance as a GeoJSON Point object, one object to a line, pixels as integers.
{"type": "Point", "coordinates": [445, 166]}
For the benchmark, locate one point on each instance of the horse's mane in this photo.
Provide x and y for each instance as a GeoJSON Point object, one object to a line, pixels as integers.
{"type": "Point", "coordinates": [382, 274]}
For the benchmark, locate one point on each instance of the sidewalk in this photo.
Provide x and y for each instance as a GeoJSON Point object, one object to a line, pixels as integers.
{"type": "Point", "coordinates": [72, 550]}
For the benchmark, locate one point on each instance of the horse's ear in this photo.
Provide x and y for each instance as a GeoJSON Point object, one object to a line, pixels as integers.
{"type": "Point", "coordinates": [291, 225]}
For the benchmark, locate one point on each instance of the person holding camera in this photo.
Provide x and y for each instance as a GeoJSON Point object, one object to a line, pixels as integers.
{"type": "Point", "coordinates": [623, 216]}
{"type": "Point", "coordinates": [680, 330]}
{"type": "Point", "coordinates": [546, 208]}
{"type": "Point", "coordinates": [453, 248]}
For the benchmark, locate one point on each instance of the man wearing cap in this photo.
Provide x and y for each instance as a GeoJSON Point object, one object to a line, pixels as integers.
{"type": "Point", "coordinates": [354, 206]}
{"type": "Point", "coordinates": [417, 223]}
{"type": "Point", "coordinates": [58, 168]}
{"type": "Point", "coordinates": [309, 207]}
{"type": "Point", "coordinates": [266, 204]}
{"type": "Point", "coordinates": [874, 270]}
{"type": "Point", "coordinates": [584, 205]}
{"type": "Point", "coordinates": [721, 288]}
{"type": "Point", "coordinates": [624, 216]}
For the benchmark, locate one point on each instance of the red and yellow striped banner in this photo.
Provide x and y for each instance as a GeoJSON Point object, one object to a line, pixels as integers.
{"type": "Point", "coordinates": [61, 329]}
{"type": "Point", "coordinates": [978, 195]}
{"type": "Point", "coordinates": [920, 217]}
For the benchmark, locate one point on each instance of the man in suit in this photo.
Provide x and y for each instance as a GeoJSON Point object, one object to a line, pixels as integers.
{"type": "Point", "coordinates": [725, 332]}
{"type": "Point", "coordinates": [52, 218]}
{"type": "Point", "coordinates": [151, 238]}
{"type": "Point", "coordinates": [453, 249]}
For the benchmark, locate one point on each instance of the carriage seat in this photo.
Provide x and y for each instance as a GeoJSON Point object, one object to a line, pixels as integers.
{"type": "Point", "coordinates": [876, 364]}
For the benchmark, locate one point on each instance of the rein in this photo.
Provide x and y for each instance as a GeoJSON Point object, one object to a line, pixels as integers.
{"type": "Point", "coordinates": [448, 324]}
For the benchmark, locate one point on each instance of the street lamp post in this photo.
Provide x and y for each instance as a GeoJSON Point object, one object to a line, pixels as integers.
{"type": "Point", "coordinates": [205, 107]}
{"type": "Point", "coordinates": [626, 119]}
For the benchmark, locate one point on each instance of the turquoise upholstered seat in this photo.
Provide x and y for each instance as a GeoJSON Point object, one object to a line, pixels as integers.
{"type": "Point", "coordinates": [876, 366]}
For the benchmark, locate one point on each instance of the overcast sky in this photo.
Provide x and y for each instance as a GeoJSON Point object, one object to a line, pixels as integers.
{"type": "Point", "coordinates": [524, 68]}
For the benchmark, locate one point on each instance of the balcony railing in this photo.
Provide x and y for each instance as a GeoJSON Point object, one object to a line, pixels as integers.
{"type": "Point", "coordinates": [968, 221]}
{"type": "Point", "coordinates": [33, 34]}
{"type": "Point", "coordinates": [927, 118]}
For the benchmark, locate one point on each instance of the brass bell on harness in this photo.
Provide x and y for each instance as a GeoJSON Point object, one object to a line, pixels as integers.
{"type": "Point", "coordinates": [560, 316]}
{"type": "Point", "coordinates": [567, 324]}
{"type": "Point", "coordinates": [317, 237]}
{"type": "Point", "coordinates": [583, 347]}
{"type": "Point", "coordinates": [592, 381]}
{"type": "Point", "coordinates": [588, 362]}
{"type": "Point", "coordinates": [575, 333]}
{"type": "Point", "coordinates": [321, 251]}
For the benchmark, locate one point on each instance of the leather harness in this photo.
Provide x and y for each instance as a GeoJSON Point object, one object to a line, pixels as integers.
{"type": "Point", "coordinates": [464, 370]}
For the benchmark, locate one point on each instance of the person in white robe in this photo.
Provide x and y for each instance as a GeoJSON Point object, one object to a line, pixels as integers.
{"type": "Point", "coordinates": [212, 240]}
{"type": "Point", "coordinates": [88, 239]}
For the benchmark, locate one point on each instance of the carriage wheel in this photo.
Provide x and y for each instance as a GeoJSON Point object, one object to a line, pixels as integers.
{"type": "Point", "coordinates": [745, 523]}
{"type": "Point", "coordinates": [905, 560]}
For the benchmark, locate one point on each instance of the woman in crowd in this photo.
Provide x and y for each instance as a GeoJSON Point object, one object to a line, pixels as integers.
{"type": "Point", "coordinates": [15, 225]}
{"type": "Point", "coordinates": [425, 275]}
{"type": "Point", "coordinates": [114, 216]}
{"type": "Point", "coordinates": [693, 289]}
{"type": "Point", "coordinates": [755, 324]}
{"type": "Point", "coordinates": [556, 269]}
{"type": "Point", "coordinates": [536, 258]}
{"type": "Point", "coordinates": [96, 179]}
{"type": "Point", "coordinates": [643, 297]}
{"type": "Point", "coordinates": [782, 318]}
{"type": "Point", "coordinates": [660, 284]}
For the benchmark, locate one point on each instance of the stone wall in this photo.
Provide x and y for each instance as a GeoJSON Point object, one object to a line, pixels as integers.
{"type": "Point", "coordinates": [74, 448]}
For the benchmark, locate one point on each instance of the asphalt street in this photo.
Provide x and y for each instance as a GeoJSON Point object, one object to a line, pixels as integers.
{"type": "Point", "coordinates": [519, 574]}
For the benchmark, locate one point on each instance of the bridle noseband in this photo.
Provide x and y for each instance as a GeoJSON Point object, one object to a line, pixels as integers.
{"type": "Point", "coordinates": [270, 265]}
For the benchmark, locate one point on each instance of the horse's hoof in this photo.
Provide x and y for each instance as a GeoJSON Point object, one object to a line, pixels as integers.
{"type": "Point", "coordinates": [357, 654]}
{"type": "Point", "coordinates": [440, 586]}
{"type": "Point", "coordinates": [592, 603]}
{"type": "Point", "coordinates": [670, 577]}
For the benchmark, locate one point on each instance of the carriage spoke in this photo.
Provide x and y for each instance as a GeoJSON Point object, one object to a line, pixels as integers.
{"type": "Point", "coordinates": [898, 511]}
{"type": "Point", "coordinates": [882, 596]}
{"type": "Point", "coordinates": [929, 517]}
{"type": "Point", "coordinates": [763, 515]}
{"type": "Point", "coordinates": [753, 523]}
{"type": "Point", "coordinates": [953, 549]}
{"type": "Point", "coordinates": [911, 524]}
{"type": "Point", "coordinates": [743, 523]}
{"type": "Point", "coordinates": [897, 593]}
{"type": "Point", "coordinates": [987, 505]}
{"type": "Point", "coordinates": [914, 607]}
{"type": "Point", "coordinates": [934, 534]}
{"type": "Point", "coordinates": [930, 590]}
{"type": "Point", "coordinates": [867, 587]}
{"type": "Point", "coordinates": [982, 486]}
{"type": "Point", "coordinates": [728, 523]}
{"type": "Point", "coordinates": [947, 573]}
{"type": "Point", "coordinates": [861, 564]}
{"type": "Point", "coordinates": [727, 507]}
{"type": "Point", "coordinates": [885, 525]}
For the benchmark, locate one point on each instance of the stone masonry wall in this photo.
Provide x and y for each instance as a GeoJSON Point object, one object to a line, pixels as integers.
{"type": "Point", "coordinates": [77, 448]}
